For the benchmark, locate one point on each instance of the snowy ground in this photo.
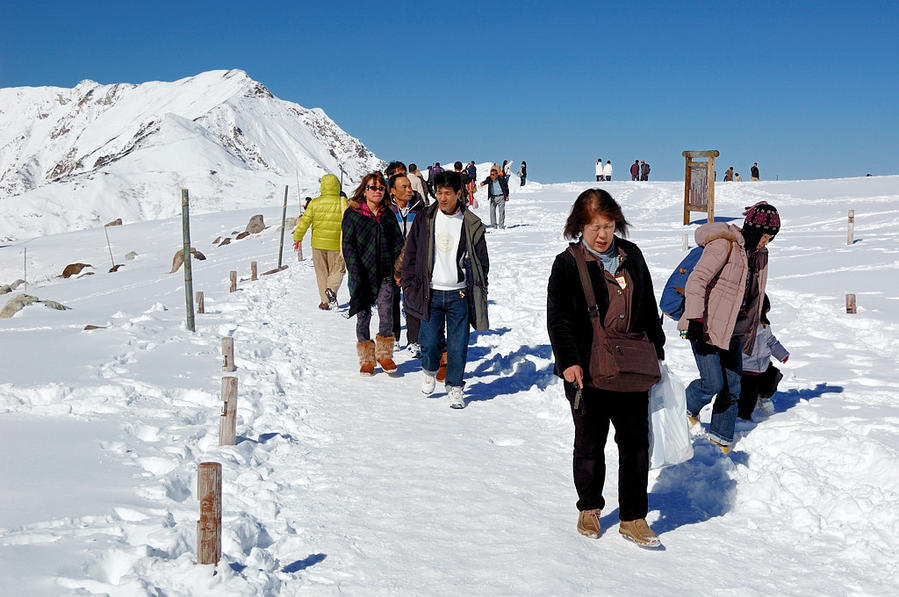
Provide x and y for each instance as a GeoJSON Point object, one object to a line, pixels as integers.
{"type": "Point", "coordinates": [351, 486]}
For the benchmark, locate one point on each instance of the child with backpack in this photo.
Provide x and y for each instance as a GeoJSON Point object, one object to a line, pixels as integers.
{"type": "Point", "coordinates": [760, 378]}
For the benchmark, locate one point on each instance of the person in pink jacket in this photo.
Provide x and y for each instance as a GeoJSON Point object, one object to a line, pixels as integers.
{"type": "Point", "coordinates": [723, 305]}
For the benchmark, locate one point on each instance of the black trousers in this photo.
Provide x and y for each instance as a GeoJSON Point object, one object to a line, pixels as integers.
{"type": "Point", "coordinates": [628, 412]}
{"type": "Point", "coordinates": [755, 386]}
{"type": "Point", "coordinates": [413, 324]}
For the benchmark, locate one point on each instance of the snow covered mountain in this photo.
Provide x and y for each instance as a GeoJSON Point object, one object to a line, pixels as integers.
{"type": "Point", "coordinates": [84, 156]}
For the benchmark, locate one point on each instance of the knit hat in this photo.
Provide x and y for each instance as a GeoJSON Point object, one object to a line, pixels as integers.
{"type": "Point", "coordinates": [762, 218]}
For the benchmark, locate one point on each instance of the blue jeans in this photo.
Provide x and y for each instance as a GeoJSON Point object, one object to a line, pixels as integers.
{"type": "Point", "coordinates": [450, 306]}
{"type": "Point", "coordinates": [719, 374]}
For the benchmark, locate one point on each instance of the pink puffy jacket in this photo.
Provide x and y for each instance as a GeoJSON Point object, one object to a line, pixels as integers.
{"type": "Point", "coordinates": [714, 290]}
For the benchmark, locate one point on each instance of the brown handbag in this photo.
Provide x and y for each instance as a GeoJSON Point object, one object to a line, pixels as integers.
{"type": "Point", "coordinates": [618, 362]}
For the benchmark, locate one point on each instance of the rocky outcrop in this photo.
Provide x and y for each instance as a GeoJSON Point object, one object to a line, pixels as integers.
{"type": "Point", "coordinates": [73, 269]}
{"type": "Point", "coordinates": [178, 259]}
{"type": "Point", "coordinates": [256, 224]}
{"type": "Point", "coordinates": [20, 301]}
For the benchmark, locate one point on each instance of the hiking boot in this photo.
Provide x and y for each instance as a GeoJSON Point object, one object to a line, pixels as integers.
{"type": "Point", "coordinates": [455, 396]}
{"type": "Point", "coordinates": [414, 350]}
{"type": "Point", "coordinates": [332, 297]}
{"type": "Point", "coordinates": [323, 306]}
{"type": "Point", "coordinates": [765, 405]}
{"type": "Point", "coordinates": [723, 447]}
{"type": "Point", "coordinates": [640, 533]}
{"type": "Point", "coordinates": [366, 351]}
{"type": "Point", "coordinates": [428, 383]}
{"type": "Point", "coordinates": [588, 523]}
{"type": "Point", "coordinates": [384, 353]}
{"type": "Point", "coordinates": [441, 371]}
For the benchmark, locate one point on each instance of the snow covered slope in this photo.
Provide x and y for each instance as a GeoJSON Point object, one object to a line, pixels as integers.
{"type": "Point", "coordinates": [341, 485]}
{"type": "Point", "coordinates": [77, 158]}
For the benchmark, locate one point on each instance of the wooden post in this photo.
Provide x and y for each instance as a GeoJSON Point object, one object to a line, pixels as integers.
{"type": "Point", "coordinates": [106, 230]}
{"type": "Point", "coordinates": [849, 239]}
{"type": "Point", "coordinates": [188, 272]}
{"type": "Point", "coordinates": [228, 354]}
{"type": "Point", "coordinates": [209, 527]}
{"type": "Point", "coordinates": [283, 222]}
{"type": "Point", "coordinates": [253, 271]}
{"type": "Point", "coordinates": [228, 420]}
{"type": "Point", "coordinates": [233, 275]}
{"type": "Point", "coordinates": [25, 268]}
{"type": "Point", "coordinates": [201, 305]}
{"type": "Point", "coordinates": [710, 176]}
{"type": "Point", "coordinates": [687, 181]}
{"type": "Point", "coordinates": [850, 303]}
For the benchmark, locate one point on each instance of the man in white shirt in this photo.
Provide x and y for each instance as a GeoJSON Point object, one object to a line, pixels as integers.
{"type": "Point", "coordinates": [444, 279]}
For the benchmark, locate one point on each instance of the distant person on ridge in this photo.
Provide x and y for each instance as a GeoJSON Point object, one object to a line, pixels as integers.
{"type": "Point", "coordinates": [463, 175]}
{"type": "Point", "coordinates": [738, 178]}
{"type": "Point", "coordinates": [754, 171]}
{"type": "Point", "coordinates": [523, 173]}
{"type": "Point", "coordinates": [444, 279]}
{"type": "Point", "coordinates": [644, 170]}
{"type": "Point", "coordinates": [473, 183]}
{"type": "Point", "coordinates": [497, 194]}
{"type": "Point", "coordinates": [507, 170]}
{"type": "Point", "coordinates": [635, 170]}
{"type": "Point", "coordinates": [607, 170]}
{"type": "Point", "coordinates": [599, 170]}
{"type": "Point", "coordinates": [325, 215]}
{"type": "Point", "coordinates": [729, 174]}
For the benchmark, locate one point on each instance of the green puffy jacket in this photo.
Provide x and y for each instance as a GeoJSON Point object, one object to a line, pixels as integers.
{"type": "Point", "coordinates": [325, 215]}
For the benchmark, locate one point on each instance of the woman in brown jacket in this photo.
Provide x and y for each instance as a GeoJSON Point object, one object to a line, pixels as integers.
{"type": "Point", "coordinates": [721, 312]}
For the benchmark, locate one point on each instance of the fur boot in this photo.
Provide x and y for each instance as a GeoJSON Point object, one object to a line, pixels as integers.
{"type": "Point", "coordinates": [384, 353]}
{"type": "Point", "coordinates": [366, 352]}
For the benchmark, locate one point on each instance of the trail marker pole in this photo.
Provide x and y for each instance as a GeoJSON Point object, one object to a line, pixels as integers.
{"type": "Point", "coordinates": [201, 305]}
{"type": "Point", "coordinates": [228, 354]}
{"type": "Point", "coordinates": [188, 272]}
{"type": "Point", "coordinates": [283, 222]}
{"type": "Point", "coordinates": [228, 420]}
{"type": "Point", "coordinates": [850, 303]}
{"type": "Point", "coordinates": [685, 244]}
{"type": "Point", "coordinates": [106, 230]}
{"type": "Point", "coordinates": [233, 275]}
{"type": "Point", "coordinates": [209, 527]}
{"type": "Point", "coordinates": [849, 239]}
{"type": "Point", "coordinates": [25, 268]}
{"type": "Point", "coordinates": [253, 271]}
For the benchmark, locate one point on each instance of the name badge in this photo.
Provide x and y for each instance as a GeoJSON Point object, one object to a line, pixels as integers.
{"type": "Point", "coordinates": [622, 281]}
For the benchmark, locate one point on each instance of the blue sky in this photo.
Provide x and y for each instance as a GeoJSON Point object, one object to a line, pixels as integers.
{"type": "Point", "coordinates": [806, 89]}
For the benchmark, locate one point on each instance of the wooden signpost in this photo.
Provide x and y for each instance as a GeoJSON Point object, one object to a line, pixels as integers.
{"type": "Point", "coordinates": [699, 183]}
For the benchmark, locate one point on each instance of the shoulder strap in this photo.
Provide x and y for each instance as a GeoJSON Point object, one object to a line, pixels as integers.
{"type": "Point", "coordinates": [592, 306]}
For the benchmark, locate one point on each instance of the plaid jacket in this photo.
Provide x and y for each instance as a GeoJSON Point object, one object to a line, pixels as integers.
{"type": "Point", "coordinates": [370, 248]}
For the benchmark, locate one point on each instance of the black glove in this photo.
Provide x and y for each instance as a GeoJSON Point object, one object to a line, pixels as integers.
{"type": "Point", "coordinates": [695, 331]}
{"type": "Point", "coordinates": [660, 353]}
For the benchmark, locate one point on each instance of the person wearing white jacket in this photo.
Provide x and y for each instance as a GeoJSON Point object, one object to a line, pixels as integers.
{"type": "Point", "coordinates": [607, 170]}
{"type": "Point", "coordinates": [760, 378]}
{"type": "Point", "coordinates": [599, 170]}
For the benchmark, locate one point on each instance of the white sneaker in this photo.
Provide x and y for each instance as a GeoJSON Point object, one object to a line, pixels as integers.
{"type": "Point", "coordinates": [455, 396]}
{"type": "Point", "coordinates": [765, 405]}
{"type": "Point", "coordinates": [414, 350]}
{"type": "Point", "coordinates": [428, 383]}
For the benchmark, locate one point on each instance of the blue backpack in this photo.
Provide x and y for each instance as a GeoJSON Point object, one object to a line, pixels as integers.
{"type": "Point", "coordinates": [673, 299]}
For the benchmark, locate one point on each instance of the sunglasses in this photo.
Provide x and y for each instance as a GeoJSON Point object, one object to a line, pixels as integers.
{"type": "Point", "coordinates": [371, 187]}
{"type": "Point", "coordinates": [494, 172]}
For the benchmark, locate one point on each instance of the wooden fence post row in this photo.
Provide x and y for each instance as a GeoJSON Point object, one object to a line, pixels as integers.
{"type": "Point", "coordinates": [233, 276]}
{"type": "Point", "coordinates": [228, 354]}
{"type": "Point", "coordinates": [201, 304]}
{"type": "Point", "coordinates": [253, 271]}
{"type": "Point", "coordinates": [209, 527]}
{"type": "Point", "coordinates": [850, 303]}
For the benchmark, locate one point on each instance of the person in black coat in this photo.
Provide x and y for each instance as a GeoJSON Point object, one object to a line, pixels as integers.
{"type": "Point", "coordinates": [626, 303]}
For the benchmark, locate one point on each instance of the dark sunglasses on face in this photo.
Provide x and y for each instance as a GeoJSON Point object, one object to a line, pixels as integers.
{"type": "Point", "coordinates": [371, 187]}
{"type": "Point", "coordinates": [494, 172]}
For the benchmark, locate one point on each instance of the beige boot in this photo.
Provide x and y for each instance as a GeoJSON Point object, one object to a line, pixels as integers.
{"type": "Point", "coordinates": [384, 353]}
{"type": "Point", "coordinates": [588, 523]}
{"type": "Point", "coordinates": [640, 533]}
{"type": "Point", "coordinates": [366, 352]}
